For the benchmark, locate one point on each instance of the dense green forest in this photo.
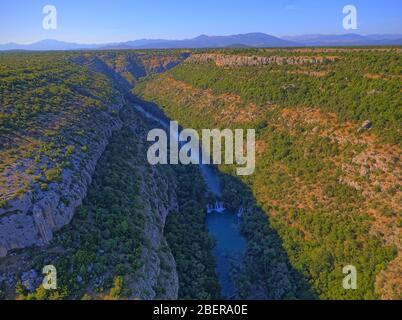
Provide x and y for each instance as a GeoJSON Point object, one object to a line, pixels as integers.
{"type": "Point", "coordinates": [48, 105]}
{"type": "Point", "coordinates": [189, 240]}
{"type": "Point", "coordinates": [32, 85]}
{"type": "Point", "coordinates": [331, 189]}
{"type": "Point", "coordinates": [326, 191]}
{"type": "Point", "coordinates": [267, 272]}
{"type": "Point", "coordinates": [99, 254]}
{"type": "Point", "coordinates": [54, 104]}
{"type": "Point", "coordinates": [345, 86]}
{"type": "Point", "coordinates": [105, 239]}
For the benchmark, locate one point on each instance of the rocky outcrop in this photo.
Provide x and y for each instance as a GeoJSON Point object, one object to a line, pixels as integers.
{"type": "Point", "coordinates": [222, 60]}
{"type": "Point", "coordinates": [125, 69]}
{"type": "Point", "coordinates": [157, 278]}
{"type": "Point", "coordinates": [31, 219]}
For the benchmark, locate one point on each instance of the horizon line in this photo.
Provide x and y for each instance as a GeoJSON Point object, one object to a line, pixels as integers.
{"type": "Point", "coordinates": [194, 37]}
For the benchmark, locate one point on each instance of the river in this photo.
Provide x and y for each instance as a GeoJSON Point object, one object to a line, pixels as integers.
{"type": "Point", "coordinates": [224, 227]}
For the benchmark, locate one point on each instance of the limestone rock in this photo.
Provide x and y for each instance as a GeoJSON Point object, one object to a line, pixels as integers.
{"type": "Point", "coordinates": [367, 125]}
{"type": "Point", "coordinates": [31, 219]}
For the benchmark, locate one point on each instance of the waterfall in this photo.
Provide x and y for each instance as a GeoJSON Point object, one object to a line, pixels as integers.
{"type": "Point", "coordinates": [210, 208]}
{"type": "Point", "coordinates": [218, 207]}
{"type": "Point", "coordinates": [240, 213]}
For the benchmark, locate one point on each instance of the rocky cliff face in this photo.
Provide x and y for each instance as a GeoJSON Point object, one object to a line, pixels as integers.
{"type": "Point", "coordinates": [222, 60]}
{"type": "Point", "coordinates": [157, 278]}
{"type": "Point", "coordinates": [31, 219]}
{"type": "Point", "coordinates": [64, 172]}
{"type": "Point", "coordinates": [125, 69]}
{"type": "Point", "coordinates": [356, 194]}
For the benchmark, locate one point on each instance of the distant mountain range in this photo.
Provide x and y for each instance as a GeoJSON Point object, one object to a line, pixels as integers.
{"type": "Point", "coordinates": [347, 40]}
{"type": "Point", "coordinates": [252, 40]}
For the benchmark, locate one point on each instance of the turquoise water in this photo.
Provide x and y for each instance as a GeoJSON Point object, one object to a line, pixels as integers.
{"type": "Point", "coordinates": [223, 227]}
{"type": "Point", "coordinates": [211, 180]}
{"type": "Point", "coordinates": [230, 247]}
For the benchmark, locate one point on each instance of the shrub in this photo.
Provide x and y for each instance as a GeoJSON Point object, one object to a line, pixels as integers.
{"type": "Point", "coordinates": [44, 186]}
{"type": "Point", "coordinates": [70, 150]}
{"type": "Point", "coordinates": [53, 175]}
{"type": "Point", "coordinates": [3, 204]}
{"type": "Point", "coordinates": [117, 287]}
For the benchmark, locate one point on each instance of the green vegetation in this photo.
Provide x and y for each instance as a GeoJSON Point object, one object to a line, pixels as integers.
{"type": "Point", "coordinates": [100, 254]}
{"type": "Point", "coordinates": [311, 178]}
{"type": "Point", "coordinates": [267, 272]}
{"type": "Point", "coordinates": [192, 250]}
{"type": "Point", "coordinates": [44, 186]}
{"type": "Point", "coordinates": [116, 291]}
{"type": "Point", "coordinates": [44, 99]}
{"type": "Point", "coordinates": [105, 239]}
{"type": "Point", "coordinates": [34, 85]}
{"type": "Point", "coordinates": [52, 105]}
{"type": "Point", "coordinates": [325, 194]}
{"type": "Point", "coordinates": [359, 86]}
{"type": "Point", "coordinates": [3, 204]}
{"type": "Point", "coordinates": [53, 174]}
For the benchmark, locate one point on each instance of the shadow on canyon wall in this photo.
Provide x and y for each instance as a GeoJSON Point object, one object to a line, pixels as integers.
{"type": "Point", "coordinates": [267, 272]}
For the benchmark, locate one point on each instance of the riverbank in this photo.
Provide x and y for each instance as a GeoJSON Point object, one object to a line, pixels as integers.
{"type": "Point", "coordinates": [224, 227]}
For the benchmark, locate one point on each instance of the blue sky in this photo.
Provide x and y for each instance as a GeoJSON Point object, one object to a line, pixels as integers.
{"type": "Point", "coordinates": [100, 21]}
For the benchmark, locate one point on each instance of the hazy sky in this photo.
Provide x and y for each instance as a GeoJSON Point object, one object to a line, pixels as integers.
{"type": "Point", "coordinates": [99, 21]}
